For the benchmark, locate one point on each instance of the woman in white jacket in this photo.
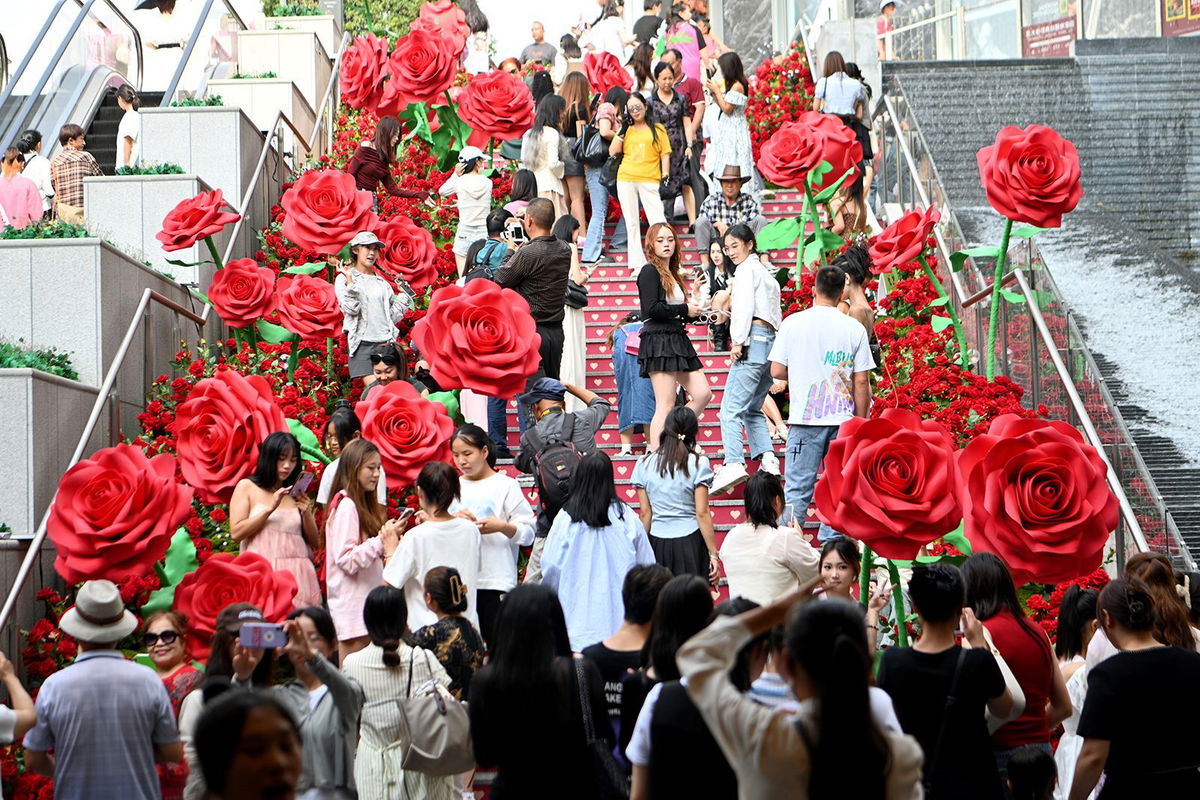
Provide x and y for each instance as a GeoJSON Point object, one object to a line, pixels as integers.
{"type": "Point", "coordinates": [544, 150]}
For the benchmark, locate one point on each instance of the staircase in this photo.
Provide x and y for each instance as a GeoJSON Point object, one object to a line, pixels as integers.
{"type": "Point", "coordinates": [102, 134]}
{"type": "Point", "coordinates": [612, 293]}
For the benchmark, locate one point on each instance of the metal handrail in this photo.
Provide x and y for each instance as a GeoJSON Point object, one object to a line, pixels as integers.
{"type": "Point", "coordinates": [921, 23]}
{"type": "Point", "coordinates": [169, 94]}
{"type": "Point", "coordinates": [325, 109]}
{"type": "Point", "coordinates": [110, 379]}
{"type": "Point", "coordinates": [37, 41]}
{"type": "Point", "coordinates": [4, 61]}
{"type": "Point", "coordinates": [137, 38]}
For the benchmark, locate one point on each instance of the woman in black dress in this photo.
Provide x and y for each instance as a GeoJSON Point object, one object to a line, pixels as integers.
{"type": "Point", "coordinates": [666, 354]}
{"type": "Point", "coordinates": [670, 110]}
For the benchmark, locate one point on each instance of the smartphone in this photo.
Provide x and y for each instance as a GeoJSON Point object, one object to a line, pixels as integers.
{"type": "Point", "coordinates": [787, 517]}
{"type": "Point", "coordinates": [265, 635]}
{"type": "Point", "coordinates": [405, 513]}
{"type": "Point", "coordinates": [302, 483]}
{"type": "Point", "coordinates": [516, 232]}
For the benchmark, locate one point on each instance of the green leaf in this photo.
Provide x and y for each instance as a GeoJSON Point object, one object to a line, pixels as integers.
{"type": "Point", "coordinates": [1027, 231]}
{"type": "Point", "coordinates": [450, 401]}
{"type": "Point", "coordinates": [203, 297]}
{"type": "Point", "coordinates": [306, 269]}
{"type": "Point", "coordinates": [186, 263]}
{"type": "Point", "coordinates": [179, 561]}
{"type": "Point", "coordinates": [956, 538]}
{"type": "Point", "coordinates": [818, 172]}
{"type": "Point", "coordinates": [957, 260]}
{"type": "Point", "coordinates": [271, 333]}
{"type": "Point", "coordinates": [829, 240]}
{"type": "Point", "coordinates": [941, 301]}
{"type": "Point", "coordinates": [829, 191]}
{"type": "Point", "coordinates": [1011, 296]}
{"type": "Point", "coordinates": [812, 252]}
{"type": "Point", "coordinates": [310, 448]}
{"type": "Point", "coordinates": [780, 234]}
{"type": "Point", "coordinates": [941, 323]}
{"type": "Point", "coordinates": [448, 118]}
{"type": "Point", "coordinates": [417, 117]}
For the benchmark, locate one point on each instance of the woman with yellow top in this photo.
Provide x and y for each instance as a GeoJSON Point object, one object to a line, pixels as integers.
{"type": "Point", "coordinates": [645, 167]}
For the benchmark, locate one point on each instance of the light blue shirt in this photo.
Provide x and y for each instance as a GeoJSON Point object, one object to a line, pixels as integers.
{"type": "Point", "coordinates": [587, 567]}
{"type": "Point", "coordinates": [840, 92]}
{"type": "Point", "coordinates": [103, 716]}
{"type": "Point", "coordinates": [672, 497]}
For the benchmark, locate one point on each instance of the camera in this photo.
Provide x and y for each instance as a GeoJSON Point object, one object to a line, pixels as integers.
{"type": "Point", "coordinates": [265, 635]}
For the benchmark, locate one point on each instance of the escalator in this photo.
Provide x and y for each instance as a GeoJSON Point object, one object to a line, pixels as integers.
{"type": "Point", "coordinates": [102, 133]}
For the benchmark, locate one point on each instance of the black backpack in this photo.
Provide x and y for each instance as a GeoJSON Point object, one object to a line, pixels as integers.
{"type": "Point", "coordinates": [554, 463]}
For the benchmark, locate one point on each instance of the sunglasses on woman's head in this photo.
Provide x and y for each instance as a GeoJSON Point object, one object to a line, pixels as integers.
{"type": "Point", "coordinates": [167, 637]}
{"type": "Point", "coordinates": [387, 358]}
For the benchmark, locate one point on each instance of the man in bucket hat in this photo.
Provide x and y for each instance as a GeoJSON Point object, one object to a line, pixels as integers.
{"type": "Point", "coordinates": [720, 212]}
{"type": "Point", "coordinates": [107, 719]}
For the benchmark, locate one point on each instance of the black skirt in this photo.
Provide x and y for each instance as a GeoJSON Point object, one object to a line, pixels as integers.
{"type": "Point", "coordinates": [667, 349]}
{"type": "Point", "coordinates": [861, 131]}
{"type": "Point", "coordinates": [684, 555]}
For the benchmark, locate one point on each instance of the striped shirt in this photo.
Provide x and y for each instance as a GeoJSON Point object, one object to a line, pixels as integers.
{"type": "Point", "coordinates": [67, 170]}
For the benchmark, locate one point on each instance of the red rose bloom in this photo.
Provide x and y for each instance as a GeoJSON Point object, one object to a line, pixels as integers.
{"type": "Point", "coordinates": [324, 209]}
{"type": "Point", "coordinates": [445, 19]}
{"type": "Point", "coordinates": [497, 106]}
{"type": "Point", "coordinates": [115, 513]}
{"type": "Point", "coordinates": [796, 148]}
{"type": "Point", "coordinates": [1031, 175]}
{"type": "Point", "coordinates": [307, 305]}
{"type": "Point", "coordinates": [218, 429]}
{"type": "Point", "coordinates": [421, 67]}
{"type": "Point", "coordinates": [903, 240]}
{"type": "Point", "coordinates": [1036, 494]}
{"type": "Point", "coordinates": [226, 579]}
{"type": "Point", "coordinates": [408, 252]}
{"type": "Point", "coordinates": [891, 483]}
{"type": "Point", "coordinates": [409, 431]}
{"type": "Point", "coordinates": [479, 337]}
{"type": "Point", "coordinates": [193, 219]}
{"type": "Point", "coordinates": [363, 71]}
{"type": "Point", "coordinates": [242, 292]}
{"type": "Point", "coordinates": [604, 71]}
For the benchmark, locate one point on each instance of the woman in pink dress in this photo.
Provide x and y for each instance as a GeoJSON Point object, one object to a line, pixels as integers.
{"type": "Point", "coordinates": [684, 36]}
{"type": "Point", "coordinates": [267, 517]}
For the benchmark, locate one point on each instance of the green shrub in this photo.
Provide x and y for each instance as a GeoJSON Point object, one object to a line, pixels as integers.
{"type": "Point", "coordinates": [389, 18]}
{"type": "Point", "coordinates": [240, 76]}
{"type": "Point", "coordinates": [150, 168]}
{"type": "Point", "coordinates": [290, 8]}
{"type": "Point", "coordinates": [20, 355]}
{"type": "Point", "coordinates": [191, 102]}
{"type": "Point", "coordinates": [46, 230]}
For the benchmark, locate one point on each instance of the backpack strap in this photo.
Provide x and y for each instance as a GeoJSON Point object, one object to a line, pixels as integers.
{"type": "Point", "coordinates": [568, 430]}
{"type": "Point", "coordinates": [951, 701]}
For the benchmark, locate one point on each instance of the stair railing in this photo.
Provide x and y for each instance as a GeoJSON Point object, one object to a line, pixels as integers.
{"type": "Point", "coordinates": [1054, 366]}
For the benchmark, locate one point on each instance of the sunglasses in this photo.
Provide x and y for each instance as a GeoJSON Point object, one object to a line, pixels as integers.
{"type": "Point", "coordinates": [388, 359]}
{"type": "Point", "coordinates": [167, 637]}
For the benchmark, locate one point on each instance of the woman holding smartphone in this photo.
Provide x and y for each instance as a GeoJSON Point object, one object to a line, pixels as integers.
{"type": "Point", "coordinates": [271, 514]}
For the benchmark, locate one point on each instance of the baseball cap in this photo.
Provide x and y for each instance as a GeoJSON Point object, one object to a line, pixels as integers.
{"type": "Point", "coordinates": [469, 153]}
{"type": "Point", "coordinates": [543, 389]}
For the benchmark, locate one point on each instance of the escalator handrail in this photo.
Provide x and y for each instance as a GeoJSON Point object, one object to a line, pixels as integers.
{"type": "Point", "coordinates": [4, 61]}
{"type": "Point", "coordinates": [137, 39]}
{"type": "Point", "coordinates": [169, 94]}
{"type": "Point", "coordinates": [37, 41]}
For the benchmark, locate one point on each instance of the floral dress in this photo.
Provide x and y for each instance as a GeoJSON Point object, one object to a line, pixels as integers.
{"type": "Point", "coordinates": [459, 648]}
{"type": "Point", "coordinates": [173, 777]}
{"type": "Point", "coordinates": [731, 142]}
{"type": "Point", "coordinates": [670, 116]}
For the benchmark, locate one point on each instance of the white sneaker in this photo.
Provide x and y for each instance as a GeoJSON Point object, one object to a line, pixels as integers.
{"type": "Point", "coordinates": [728, 476]}
{"type": "Point", "coordinates": [770, 463]}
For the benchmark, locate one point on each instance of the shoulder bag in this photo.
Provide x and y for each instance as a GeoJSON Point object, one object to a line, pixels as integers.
{"type": "Point", "coordinates": [608, 173]}
{"type": "Point", "coordinates": [577, 295]}
{"type": "Point", "coordinates": [611, 781]}
{"type": "Point", "coordinates": [435, 728]}
{"type": "Point", "coordinates": [633, 342]}
{"type": "Point", "coordinates": [590, 148]}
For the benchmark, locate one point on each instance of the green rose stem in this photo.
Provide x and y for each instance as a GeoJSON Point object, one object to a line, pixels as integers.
{"type": "Point", "coordinates": [994, 316]}
{"type": "Point", "coordinates": [212, 249]}
{"type": "Point", "coordinates": [811, 205]}
{"type": "Point", "coordinates": [293, 357]}
{"type": "Point", "coordinates": [964, 356]}
{"type": "Point", "coordinates": [329, 356]}
{"type": "Point", "coordinates": [864, 580]}
{"type": "Point", "coordinates": [897, 604]}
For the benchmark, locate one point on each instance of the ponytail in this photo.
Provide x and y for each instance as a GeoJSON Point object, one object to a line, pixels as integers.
{"type": "Point", "coordinates": [391, 654]}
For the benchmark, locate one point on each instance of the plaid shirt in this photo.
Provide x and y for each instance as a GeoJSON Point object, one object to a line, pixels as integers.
{"type": "Point", "coordinates": [67, 171]}
{"type": "Point", "coordinates": [744, 209]}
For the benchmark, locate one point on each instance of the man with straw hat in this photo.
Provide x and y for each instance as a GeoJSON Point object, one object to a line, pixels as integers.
{"type": "Point", "coordinates": [720, 212]}
{"type": "Point", "coordinates": [107, 719]}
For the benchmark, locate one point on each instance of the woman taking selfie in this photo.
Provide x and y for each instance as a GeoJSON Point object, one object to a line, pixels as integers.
{"type": "Point", "coordinates": [370, 311]}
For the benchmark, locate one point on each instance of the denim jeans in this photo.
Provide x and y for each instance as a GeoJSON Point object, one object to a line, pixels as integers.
{"type": "Point", "coordinates": [806, 448]}
{"type": "Point", "coordinates": [745, 389]}
{"type": "Point", "coordinates": [497, 421]}
{"type": "Point", "coordinates": [598, 197]}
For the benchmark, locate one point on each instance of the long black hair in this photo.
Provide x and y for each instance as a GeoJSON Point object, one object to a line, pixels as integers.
{"type": "Point", "coordinates": [733, 71]}
{"type": "Point", "coordinates": [990, 591]}
{"type": "Point", "coordinates": [855, 261]}
{"type": "Point", "coordinates": [564, 228]}
{"type": "Point", "coordinates": [744, 234]}
{"type": "Point", "coordinates": [1078, 609]}
{"type": "Point", "coordinates": [385, 613]}
{"type": "Point", "coordinates": [762, 490]}
{"type": "Point", "coordinates": [593, 492]}
{"type": "Point", "coordinates": [650, 121]}
{"type": "Point", "coordinates": [531, 633]}
{"type": "Point", "coordinates": [739, 673]}
{"type": "Point", "coordinates": [266, 472]}
{"type": "Point", "coordinates": [826, 641]}
{"type": "Point", "coordinates": [541, 87]}
{"type": "Point", "coordinates": [677, 445]}
{"type": "Point", "coordinates": [524, 186]}
{"type": "Point", "coordinates": [684, 607]}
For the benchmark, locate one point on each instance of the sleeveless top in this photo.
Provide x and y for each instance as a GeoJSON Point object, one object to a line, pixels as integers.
{"type": "Point", "coordinates": [685, 759]}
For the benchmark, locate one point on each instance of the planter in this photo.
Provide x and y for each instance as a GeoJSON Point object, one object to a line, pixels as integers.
{"type": "Point", "coordinates": [128, 211]}
{"type": "Point", "coordinates": [296, 55]}
{"type": "Point", "coordinates": [262, 98]}
{"type": "Point", "coordinates": [325, 26]}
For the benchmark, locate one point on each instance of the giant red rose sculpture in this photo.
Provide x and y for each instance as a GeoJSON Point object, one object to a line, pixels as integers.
{"type": "Point", "coordinates": [445, 19]}
{"type": "Point", "coordinates": [891, 483]}
{"type": "Point", "coordinates": [218, 429]}
{"type": "Point", "coordinates": [324, 209]}
{"type": "Point", "coordinates": [409, 431]}
{"type": "Point", "coordinates": [479, 337]}
{"type": "Point", "coordinates": [798, 147]}
{"type": "Point", "coordinates": [604, 71]}
{"type": "Point", "coordinates": [242, 292]}
{"type": "Point", "coordinates": [308, 306]}
{"type": "Point", "coordinates": [422, 66]}
{"type": "Point", "coordinates": [225, 579]}
{"type": "Point", "coordinates": [903, 240]}
{"type": "Point", "coordinates": [496, 106]}
{"type": "Point", "coordinates": [408, 252]}
{"type": "Point", "coordinates": [193, 219]}
{"type": "Point", "coordinates": [1035, 494]}
{"type": "Point", "coordinates": [114, 514]}
{"type": "Point", "coordinates": [1031, 175]}
{"type": "Point", "coordinates": [362, 72]}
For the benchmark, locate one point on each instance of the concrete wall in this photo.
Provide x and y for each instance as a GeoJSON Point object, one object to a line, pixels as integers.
{"type": "Point", "coordinates": [261, 99]}
{"type": "Point", "coordinates": [28, 608]}
{"type": "Point", "coordinates": [298, 55]}
{"type": "Point", "coordinates": [326, 27]}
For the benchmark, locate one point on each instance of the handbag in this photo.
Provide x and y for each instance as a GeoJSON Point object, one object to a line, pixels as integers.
{"type": "Point", "coordinates": [436, 728]}
{"type": "Point", "coordinates": [611, 781]}
{"type": "Point", "coordinates": [577, 295]}
{"type": "Point", "coordinates": [590, 148]}
{"type": "Point", "coordinates": [608, 173]}
{"type": "Point", "coordinates": [633, 342]}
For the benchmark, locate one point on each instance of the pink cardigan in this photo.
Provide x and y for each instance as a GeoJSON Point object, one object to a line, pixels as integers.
{"type": "Point", "coordinates": [353, 568]}
{"type": "Point", "coordinates": [20, 200]}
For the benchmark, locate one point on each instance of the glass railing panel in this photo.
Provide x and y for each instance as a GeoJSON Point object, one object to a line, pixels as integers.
{"type": "Point", "coordinates": [214, 53]}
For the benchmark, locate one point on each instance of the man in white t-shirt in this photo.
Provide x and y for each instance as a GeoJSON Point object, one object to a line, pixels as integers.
{"type": "Point", "coordinates": [824, 355]}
